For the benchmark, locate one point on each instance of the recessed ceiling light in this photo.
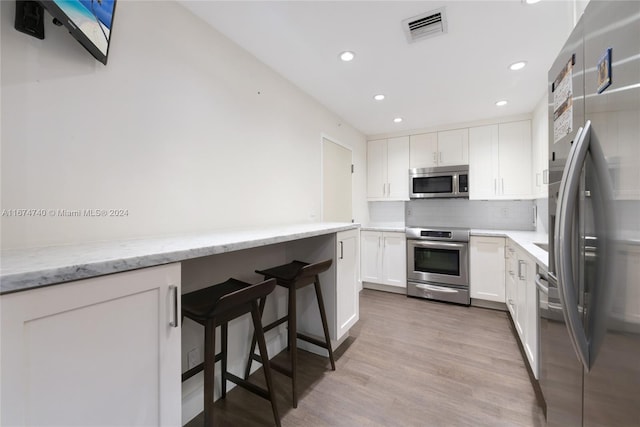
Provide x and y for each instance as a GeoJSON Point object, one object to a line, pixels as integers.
{"type": "Point", "coordinates": [379, 97]}
{"type": "Point", "coordinates": [347, 56]}
{"type": "Point", "coordinates": [518, 65]}
{"type": "Point", "coordinates": [501, 103]}
{"type": "Point", "coordinates": [397, 120]}
{"type": "Point", "coordinates": [531, 1]}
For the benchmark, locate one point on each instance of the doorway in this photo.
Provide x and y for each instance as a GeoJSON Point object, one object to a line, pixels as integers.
{"type": "Point", "coordinates": [336, 182]}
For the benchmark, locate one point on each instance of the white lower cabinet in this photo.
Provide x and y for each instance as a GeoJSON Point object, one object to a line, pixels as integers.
{"type": "Point", "coordinates": [347, 292]}
{"type": "Point", "coordinates": [384, 258]}
{"type": "Point", "coordinates": [100, 351]}
{"type": "Point", "coordinates": [487, 268]}
{"type": "Point", "coordinates": [522, 300]}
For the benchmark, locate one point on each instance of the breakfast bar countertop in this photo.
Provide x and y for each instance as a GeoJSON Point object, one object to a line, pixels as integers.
{"type": "Point", "coordinates": [23, 269]}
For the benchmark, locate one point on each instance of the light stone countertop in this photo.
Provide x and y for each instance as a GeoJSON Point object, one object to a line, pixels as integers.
{"type": "Point", "coordinates": [524, 239]}
{"type": "Point", "coordinates": [24, 269]}
{"type": "Point", "coordinates": [384, 226]}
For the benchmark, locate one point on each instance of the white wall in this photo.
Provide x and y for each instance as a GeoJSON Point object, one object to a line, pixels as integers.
{"type": "Point", "coordinates": [182, 128]}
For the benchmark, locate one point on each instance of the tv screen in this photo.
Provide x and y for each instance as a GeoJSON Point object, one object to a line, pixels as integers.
{"type": "Point", "coordinates": [89, 21]}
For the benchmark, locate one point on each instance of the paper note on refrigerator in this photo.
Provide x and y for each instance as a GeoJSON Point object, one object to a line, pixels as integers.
{"type": "Point", "coordinates": [563, 102]}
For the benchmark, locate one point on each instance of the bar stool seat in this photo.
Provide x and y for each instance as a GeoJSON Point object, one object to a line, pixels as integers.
{"type": "Point", "coordinates": [293, 276]}
{"type": "Point", "coordinates": [215, 306]}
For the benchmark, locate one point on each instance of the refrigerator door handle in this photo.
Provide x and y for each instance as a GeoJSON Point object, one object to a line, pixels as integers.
{"type": "Point", "coordinates": [605, 282]}
{"type": "Point", "coordinates": [569, 188]}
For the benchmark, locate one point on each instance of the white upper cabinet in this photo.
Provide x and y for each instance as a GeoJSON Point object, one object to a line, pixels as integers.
{"type": "Point", "coordinates": [453, 147]}
{"type": "Point", "coordinates": [445, 148]}
{"type": "Point", "coordinates": [515, 159]}
{"type": "Point", "coordinates": [423, 150]}
{"type": "Point", "coordinates": [388, 169]}
{"type": "Point", "coordinates": [500, 161]}
{"type": "Point", "coordinates": [484, 171]}
{"type": "Point", "coordinates": [376, 169]}
{"type": "Point", "coordinates": [540, 149]}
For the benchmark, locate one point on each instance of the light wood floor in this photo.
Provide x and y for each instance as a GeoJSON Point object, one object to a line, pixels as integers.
{"type": "Point", "coordinates": [408, 362]}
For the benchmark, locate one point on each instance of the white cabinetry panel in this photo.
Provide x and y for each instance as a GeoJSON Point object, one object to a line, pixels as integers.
{"type": "Point", "coordinates": [100, 351]}
{"type": "Point", "coordinates": [347, 292]}
{"type": "Point", "coordinates": [388, 169]}
{"type": "Point", "coordinates": [500, 161]}
{"type": "Point", "coordinates": [377, 169]}
{"type": "Point", "coordinates": [515, 159]}
{"type": "Point", "coordinates": [384, 258]}
{"type": "Point", "coordinates": [487, 268]}
{"type": "Point", "coordinates": [484, 170]}
{"type": "Point", "coordinates": [444, 148]}
{"type": "Point", "coordinates": [522, 300]}
{"type": "Point", "coordinates": [398, 168]}
{"type": "Point", "coordinates": [424, 150]}
{"type": "Point", "coordinates": [453, 147]}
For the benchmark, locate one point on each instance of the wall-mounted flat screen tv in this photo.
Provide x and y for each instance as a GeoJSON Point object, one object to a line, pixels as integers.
{"type": "Point", "coordinates": [89, 21]}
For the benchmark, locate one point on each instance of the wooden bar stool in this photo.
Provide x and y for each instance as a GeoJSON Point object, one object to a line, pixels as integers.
{"type": "Point", "coordinates": [294, 276]}
{"type": "Point", "coordinates": [215, 306]}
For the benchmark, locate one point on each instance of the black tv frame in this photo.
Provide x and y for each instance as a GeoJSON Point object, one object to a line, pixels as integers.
{"type": "Point", "coordinates": [26, 9]}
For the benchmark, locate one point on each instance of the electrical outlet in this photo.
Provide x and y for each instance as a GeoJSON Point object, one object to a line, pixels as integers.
{"type": "Point", "coordinates": [193, 358]}
{"type": "Point", "coordinates": [504, 212]}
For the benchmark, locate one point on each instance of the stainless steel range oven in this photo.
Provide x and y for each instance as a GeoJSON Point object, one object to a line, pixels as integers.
{"type": "Point", "coordinates": [438, 264]}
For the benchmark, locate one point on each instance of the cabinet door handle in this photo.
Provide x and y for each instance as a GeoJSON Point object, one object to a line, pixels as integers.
{"type": "Point", "coordinates": [440, 155]}
{"type": "Point", "coordinates": [174, 291]}
{"type": "Point", "coordinates": [389, 189]}
{"type": "Point", "coordinates": [435, 157]}
{"type": "Point", "coordinates": [384, 188]}
{"type": "Point", "coordinates": [502, 179]}
{"type": "Point", "coordinates": [495, 186]}
{"type": "Point", "coordinates": [521, 263]}
{"type": "Point", "coordinates": [341, 250]}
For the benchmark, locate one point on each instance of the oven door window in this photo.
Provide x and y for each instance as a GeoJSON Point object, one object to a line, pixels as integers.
{"type": "Point", "coordinates": [433, 185]}
{"type": "Point", "coordinates": [438, 261]}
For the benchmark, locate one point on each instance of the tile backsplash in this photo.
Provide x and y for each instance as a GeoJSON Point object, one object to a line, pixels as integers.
{"type": "Point", "coordinates": [387, 212]}
{"type": "Point", "coordinates": [507, 214]}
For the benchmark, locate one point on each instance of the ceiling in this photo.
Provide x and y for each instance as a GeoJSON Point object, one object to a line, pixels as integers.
{"type": "Point", "coordinates": [453, 78]}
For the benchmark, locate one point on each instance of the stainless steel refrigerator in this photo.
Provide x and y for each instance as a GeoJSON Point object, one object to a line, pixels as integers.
{"type": "Point", "coordinates": [590, 316]}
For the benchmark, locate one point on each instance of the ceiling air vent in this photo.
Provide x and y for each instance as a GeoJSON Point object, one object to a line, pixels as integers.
{"type": "Point", "coordinates": [429, 24]}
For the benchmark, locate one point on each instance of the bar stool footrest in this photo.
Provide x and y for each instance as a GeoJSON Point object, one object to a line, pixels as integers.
{"type": "Point", "coordinates": [275, 323]}
{"type": "Point", "coordinates": [198, 368]}
{"type": "Point", "coordinates": [312, 340]}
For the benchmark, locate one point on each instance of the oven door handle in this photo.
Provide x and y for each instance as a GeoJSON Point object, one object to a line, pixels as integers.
{"type": "Point", "coordinates": [436, 288]}
{"type": "Point", "coordinates": [437, 244]}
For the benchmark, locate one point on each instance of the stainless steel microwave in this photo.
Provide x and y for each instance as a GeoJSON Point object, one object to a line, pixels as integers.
{"type": "Point", "coordinates": [440, 182]}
